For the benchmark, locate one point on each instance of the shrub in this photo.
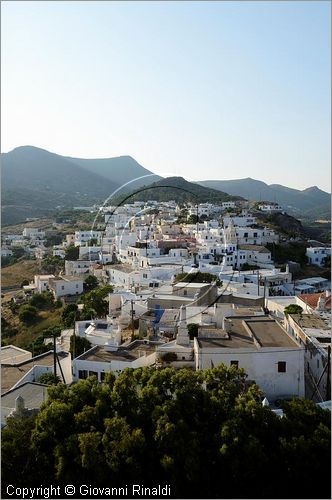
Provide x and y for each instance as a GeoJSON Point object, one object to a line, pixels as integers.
{"type": "Point", "coordinates": [28, 314]}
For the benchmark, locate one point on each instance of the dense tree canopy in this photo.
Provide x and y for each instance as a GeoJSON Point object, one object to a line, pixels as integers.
{"type": "Point", "coordinates": [72, 253]}
{"type": "Point", "coordinates": [95, 303]}
{"type": "Point", "coordinates": [196, 277]}
{"type": "Point", "coordinates": [293, 309]}
{"type": "Point", "coordinates": [205, 433]}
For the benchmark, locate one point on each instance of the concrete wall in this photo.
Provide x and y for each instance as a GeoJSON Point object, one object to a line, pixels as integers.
{"type": "Point", "coordinates": [261, 366]}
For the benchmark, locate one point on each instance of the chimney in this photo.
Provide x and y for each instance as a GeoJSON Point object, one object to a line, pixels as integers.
{"type": "Point", "coordinates": [320, 303]}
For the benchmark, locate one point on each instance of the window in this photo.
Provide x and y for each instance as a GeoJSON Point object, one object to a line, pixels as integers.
{"type": "Point", "coordinates": [76, 286]}
{"type": "Point", "coordinates": [234, 363]}
{"type": "Point", "coordinates": [185, 292]}
{"type": "Point", "coordinates": [317, 363]}
{"type": "Point", "coordinates": [93, 374]}
{"type": "Point", "coordinates": [145, 275]}
{"type": "Point", "coordinates": [62, 288]}
{"type": "Point", "coordinates": [82, 374]}
{"type": "Point", "coordinates": [282, 366]}
{"type": "Point", "coordinates": [102, 376]}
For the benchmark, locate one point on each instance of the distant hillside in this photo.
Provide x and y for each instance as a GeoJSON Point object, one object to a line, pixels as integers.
{"type": "Point", "coordinates": [311, 202]}
{"type": "Point", "coordinates": [122, 169]}
{"type": "Point", "coordinates": [35, 181]}
{"type": "Point", "coordinates": [177, 189]}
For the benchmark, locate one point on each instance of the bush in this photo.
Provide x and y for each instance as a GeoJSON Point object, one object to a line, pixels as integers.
{"type": "Point", "coordinates": [168, 357]}
{"type": "Point", "coordinates": [28, 314]}
{"type": "Point", "coordinates": [69, 315]}
{"type": "Point", "coordinates": [49, 379]}
{"type": "Point", "coordinates": [293, 309]}
{"type": "Point", "coordinates": [192, 330]}
{"type": "Point", "coordinates": [72, 253]}
{"type": "Point", "coordinates": [78, 345]}
{"type": "Point", "coordinates": [44, 300]}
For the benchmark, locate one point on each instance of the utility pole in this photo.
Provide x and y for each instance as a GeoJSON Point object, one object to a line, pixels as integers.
{"type": "Point", "coordinates": [328, 384]}
{"type": "Point", "coordinates": [257, 282]}
{"type": "Point", "coordinates": [132, 312]}
{"type": "Point", "coordinates": [265, 293]}
{"type": "Point", "coordinates": [54, 356]}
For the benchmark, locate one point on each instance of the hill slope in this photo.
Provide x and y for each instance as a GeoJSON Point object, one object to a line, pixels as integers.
{"type": "Point", "coordinates": [177, 189]}
{"type": "Point", "coordinates": [122, 169]}
{"type": "Point", "coordinates": [294, 201]}
{"type": "Point", "coordinates": [35, 181]}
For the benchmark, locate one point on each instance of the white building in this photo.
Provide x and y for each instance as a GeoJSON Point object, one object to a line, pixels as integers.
{"type": "Point", "coordinates": [29, 370]}
{"type": "Point", "coordinates": [125, 276]}
{"type": "Point", "coordinates": [6, 252]}
{"type": "Point", "coordinates": [228, 204]}
{"type": "Point", "coordinates": [318, 255]}
{"type": "Point", "coordinates": [33, 232]}
{"type": "Point", "coordinates": [59, 251]}
{"type": "Point", "coordinates": [77, 267]}
{"type": "Point", "coordinates": [82, 237]}
{"type": "Point", "coordinates": [42, 282]}
{"type": "Point", "coordinates": [314, 334]}
{"type": "Point", "coordinates": [259, 345]}
{"type": "Point", "coordinates": [239, 220]}
{"type": "Point", "coordinates": [66, 285]}
{"type": "Point", "coordinates": [270, 207]}
{"type": "Point", "coordinates": [89, 252]}
{"type": "Point", "coordinates": [100, 360]}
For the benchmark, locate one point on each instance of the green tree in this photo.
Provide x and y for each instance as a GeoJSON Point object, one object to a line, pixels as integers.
{"type": "Point", "coordinates": [192, 330]}
{"type": "Point", "coordinates": [92, 242]}
{"type": "Point", "coordinates": [90, 283]}
{"type": "Point", "coordinates": [293, 309]}
{"type": "Point", "coordinates": [49, 379]}
{"type": "Point", "coordinates": [193, 219]}
{"type": "Point", "coordinates": [138, 427]}
{"type": "Point", "coordinates": [28, 314]}
{"type": "Point", "coordinates": [52, 264]}
{"type": "Point", "coordinates": [196, 277]}
{"type": "Point", "coordinates": [69, 315]}
{"type": "Point", "coordinates": [72, 253]}
{"type": "Point", "coordinates": [95, 301]}
{"type": "Point", "coordinates": [43, 300]}
{"type": "Point", "coordinates": [78, 345]}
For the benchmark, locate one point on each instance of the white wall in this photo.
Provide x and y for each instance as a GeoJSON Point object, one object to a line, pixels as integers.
{"type": "Point", "coordinates": [261, 366]}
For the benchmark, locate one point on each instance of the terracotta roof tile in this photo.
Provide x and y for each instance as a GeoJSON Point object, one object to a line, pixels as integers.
{"type": "Point", "coordinates": [312, 298]}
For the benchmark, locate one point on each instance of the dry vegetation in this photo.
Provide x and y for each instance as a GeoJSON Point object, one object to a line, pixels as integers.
{"type": "Point", "coordinates": [14, 275]}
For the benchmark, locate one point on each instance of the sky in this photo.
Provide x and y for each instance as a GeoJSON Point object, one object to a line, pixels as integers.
{"type": "Point", "coordinates": [205, 90]}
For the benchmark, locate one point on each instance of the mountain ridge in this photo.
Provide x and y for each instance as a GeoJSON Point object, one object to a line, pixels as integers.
{"type": "Point", "coordinates": [295, 201]}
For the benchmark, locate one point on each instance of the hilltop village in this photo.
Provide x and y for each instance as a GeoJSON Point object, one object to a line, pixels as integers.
{"type": "Point", "coordinates": [162, 284]}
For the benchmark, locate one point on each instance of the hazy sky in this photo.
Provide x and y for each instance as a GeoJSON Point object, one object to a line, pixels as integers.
{"type": "Point", "coordinates": [207, 90]}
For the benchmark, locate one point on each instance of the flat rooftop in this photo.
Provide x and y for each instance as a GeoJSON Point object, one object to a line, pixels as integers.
{"type": "Point", "coordinates": [310, 321]}
{"type": "Point", "coordinates": [243, 331]}
{"type": "Point", "coordinates": [10, 375]}
{"type": "Point", "coordinates": [12, 354]}
{"type": "Point", "coordinates": [313, 281]}
{"type": "Point", "coordinates": [185, 284]}
{"type": "Point", "coordinates": [126, 353]}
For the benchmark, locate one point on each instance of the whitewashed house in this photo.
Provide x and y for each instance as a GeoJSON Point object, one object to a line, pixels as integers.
{"type": "Point", "coordinates": [317, 255]}
{"type": "Point", "coordinates": [42, 282]}
{"type": "Point", "coordinates": [82, 237]}
{"type": "Point", "coordinates": [77, 267]}
{"type": "Point", "coordinates": [66, 286]}
{"type": "Point", "coordinates": [259, 345]}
